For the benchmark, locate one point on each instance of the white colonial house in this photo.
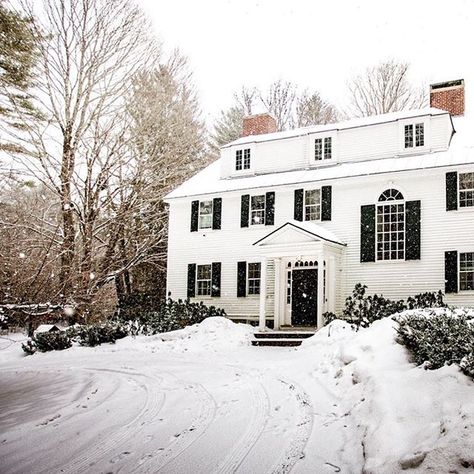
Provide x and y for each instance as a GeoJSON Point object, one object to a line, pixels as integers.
{"type": "Point", "coordinates": [283, 226]}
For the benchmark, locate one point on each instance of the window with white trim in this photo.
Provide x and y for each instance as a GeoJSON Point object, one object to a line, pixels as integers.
{"type": "Point", "coordinates": [323, 148]}
{"type": "Point", "coordinates": [466, 271]}
{"type": "Point", "coordinates": [204, 280]}
{"type": "Point", "coordinates": [253, 273]}
{"type": "Point", "coordinates": [391, 226]}
{"type": "Point", "coordinates": [414, 135]}
{"type": "Point", "coordinates": [242, 159]}
{"type": "Point", "coordinates": [205, 214]}
{"type": "Point", "coordinates": [466, 189]}
{"type": "Point", "coordinates": [312, 205]}
{"type": "Point", "coordinates": [257, 210]}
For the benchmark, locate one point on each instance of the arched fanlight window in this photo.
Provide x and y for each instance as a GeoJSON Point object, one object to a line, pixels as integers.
{"type": "Point", "coordinates": [391, 226]}
{"type": "Point", "coordinates": [391, 195]}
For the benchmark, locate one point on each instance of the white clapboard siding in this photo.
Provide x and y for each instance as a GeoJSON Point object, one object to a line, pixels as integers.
{"type": "Point", "coordinates": [383, 140]}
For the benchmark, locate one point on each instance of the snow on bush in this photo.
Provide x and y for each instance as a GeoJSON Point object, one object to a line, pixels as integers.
{"type": "Point", "coordinates": [47, 341]}
{"type": "Point", "coordinates": [437, 337]}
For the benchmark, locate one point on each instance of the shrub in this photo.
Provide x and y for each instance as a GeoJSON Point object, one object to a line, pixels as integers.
{"type": "Point", "coordinates": [437, 339]}
{"type": "Point", "coordinates": [94, 335]}
{"type": "Point", "coordinates": [170, 315]}
{"type": "Point", "coordinates": [467, 363]}
{"type": "Point", "coordinates": [47, 341]}
{"type": "Point", "coordinates": [328, 317]}
{"type": "Point", "coordinates": [426, 300]}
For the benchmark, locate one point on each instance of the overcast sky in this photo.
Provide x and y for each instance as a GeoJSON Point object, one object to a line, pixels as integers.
{"type": "Point", "coordinates": [316, 44]}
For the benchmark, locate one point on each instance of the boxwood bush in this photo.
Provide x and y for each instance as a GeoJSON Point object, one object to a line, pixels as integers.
{"type": "Point", "coordinates": [47, 341]}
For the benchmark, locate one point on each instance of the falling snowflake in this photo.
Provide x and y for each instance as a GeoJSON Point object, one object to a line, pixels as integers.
{"type": "Point", "coordinates": [22, 255]}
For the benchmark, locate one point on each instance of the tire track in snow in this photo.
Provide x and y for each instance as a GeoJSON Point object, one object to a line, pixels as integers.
{"type": "Point", "coordinates": [304, 424]}
{"type": "Point", "coordinates": [258, 422]}
{"type": "Point", "coordinates": [159, 459]}
{"type": "Point", "coordinates": [154, 401]}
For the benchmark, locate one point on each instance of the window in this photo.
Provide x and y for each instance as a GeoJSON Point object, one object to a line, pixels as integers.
{"type": "Point", "coordinates": [419, 139]}
{"type": "Point", "coordinates": [466, 271]}
{"type": "Point", "coordinates": [466, 189]}
{"type": "Point", "coordinates": [312, 205]}
{"type": "Point", "coordinates": [257, 210]}
{"type": "Point", "coordinates": [391, 226]}
{"type": "Point", "coordinates": [323, 152]}
{"type": "Point", "coordinates": [205, 214]}
{"type": "Point", "coordinates": [242, 159]}
{"type": "Point", "coordinates": [204, 276]}
{"type": "Point", "coordinates": [254, 278]}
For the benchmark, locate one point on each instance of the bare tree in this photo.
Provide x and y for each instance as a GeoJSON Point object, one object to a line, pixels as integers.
{"type": "Point", "coordinates": [384, 88]}
{"type": "Point", "coordinates": [311, 109]}
{"type": "Point", "coordinates": [279, 100]}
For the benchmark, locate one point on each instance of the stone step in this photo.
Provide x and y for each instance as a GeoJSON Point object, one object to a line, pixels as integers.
{"type": "Point", "coordinates": [284, 334]}
{"type": "Point", "coordinates": [287, 342]}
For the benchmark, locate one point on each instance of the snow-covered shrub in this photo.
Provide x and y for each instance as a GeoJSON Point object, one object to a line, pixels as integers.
{"type": "Point", "coordinates": [436, 338]}
{"type": "Point", "coordinates": [329, 317]}
{"type": "Point", "coordinates": [362, 310]}
{"type": "Point", "coordinates": [171, 315]}
{"type": "Point", "coordinates": [47, 341]}
{"type": "Point", "coordinates": [426, 300]}
{"type": "Point", "coordinates": [467, 363]}
{"type": "Point", "coordinates": [94, 335]}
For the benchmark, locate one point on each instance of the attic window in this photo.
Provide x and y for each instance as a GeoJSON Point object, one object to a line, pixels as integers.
{"type": "Point", "coordinates": [418, 139]}
{"type": "Point", "coordinates": [323, 148]}
{"type": "Point", "coordinates": [242, 159]}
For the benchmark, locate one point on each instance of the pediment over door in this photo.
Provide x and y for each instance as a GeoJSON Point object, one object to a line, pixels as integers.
{"type": "Point", "coordinates": [295, 232]}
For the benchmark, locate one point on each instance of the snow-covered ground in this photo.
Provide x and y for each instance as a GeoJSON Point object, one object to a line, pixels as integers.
{"type": "Point", "coordinates": [203, 400]}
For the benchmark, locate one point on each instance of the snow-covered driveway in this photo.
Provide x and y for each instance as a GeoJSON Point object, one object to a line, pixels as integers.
{"type": "Point", "coordinates": [205, 401]}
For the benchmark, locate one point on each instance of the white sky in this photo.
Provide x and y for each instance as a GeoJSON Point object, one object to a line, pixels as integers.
{"type": "Point", "coordinates": [316, 44]}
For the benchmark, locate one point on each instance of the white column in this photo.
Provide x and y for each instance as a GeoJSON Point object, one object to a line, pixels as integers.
{"type": "Point", "coordinates": [263, 295]}
{"type": "Point", "coordinates": [320, 289]}
{"type": "Point", "coordinates": [277, 307]}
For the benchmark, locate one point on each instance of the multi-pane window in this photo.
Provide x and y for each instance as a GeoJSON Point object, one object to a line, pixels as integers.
{"type": "Point", "coordinates": [466, 271]}
{"type": "Point", "coordinates": [323, 148]}
{"type": "Point", "coordinates": [391, 226]}
{"type": "Point", "coordinates": [203, 280]}
{"type": "Point", "coordinates": [254, 278]}
{"type": "Point", "coordinates": [242, 159]}
{"type": "Point", "coordinates": [257, 210]}
{"type": "Point", "coordinates": [205, 214]}
{"type": "Point", "coordinates": [466, 189]}
{"type": "Point", "coordinates": [419, 134]}
{"type": "Point", "coordinates": [418, 139]}
{"type": "Point", "coordinates": [312, 205]}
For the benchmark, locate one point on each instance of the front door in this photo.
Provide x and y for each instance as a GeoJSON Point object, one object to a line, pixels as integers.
{"type": "Point", "coordinates": [304, 297]}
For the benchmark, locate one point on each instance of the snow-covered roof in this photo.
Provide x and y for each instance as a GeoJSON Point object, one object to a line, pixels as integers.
{"type": "Point", "coordinates": [461, 151]}
{"type": "Point", "coordinates": [46, 328]}
{"type": "Point", "coordinates": [352, 123]}
{"type": "Point", "coordinates": [306, 226]}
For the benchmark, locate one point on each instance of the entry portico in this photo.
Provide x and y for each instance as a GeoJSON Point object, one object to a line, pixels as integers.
{"type": "Point", "coordinates": [306, 258]}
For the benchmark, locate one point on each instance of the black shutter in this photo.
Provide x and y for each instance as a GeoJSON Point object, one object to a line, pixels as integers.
{"type": "Point", "coordinates": [326, 200]}
{"type": "Point", "coordinates": [241, 279]}
{"type": "Point", "coordinates": [191, 280]}
{"type": "Point", "coordinates": [451, 271]}
{"type": "Point", "coordinates": [216, 213]}
{"type": "Point", "coordinates": [194, 216]}
{"type": "Point", "coordinates": [216, 279]}
{"type": "Point", "coordinates": [451, 191]}
{"type": "Point", "coordinates": [367, 233]}
{"type": "Point", "coordinates": [413, 230]}
{"type": "Point", "coordinates": [299, 196]}
{"type": "Point", "coordinates": [270, 208]}
{"type": "Point", "coordinates": [244, 210]}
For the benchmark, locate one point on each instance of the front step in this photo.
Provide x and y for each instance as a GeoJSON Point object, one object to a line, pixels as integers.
{"type": "Point", "coordinates": [288, 342]}
{"type": "Point", "coordinates": [281, 338]}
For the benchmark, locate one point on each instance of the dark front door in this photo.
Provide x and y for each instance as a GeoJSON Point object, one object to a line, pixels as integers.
{"type": "Point", "coordinates": [304, 297]}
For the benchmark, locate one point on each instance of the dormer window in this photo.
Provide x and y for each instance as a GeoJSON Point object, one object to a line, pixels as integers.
{"type": "Point", "coordinates": [416, 139]}
{"type": "Point", "coordinates": [242, 159]}
{"type": "Point", "coordinates": [323, 148]}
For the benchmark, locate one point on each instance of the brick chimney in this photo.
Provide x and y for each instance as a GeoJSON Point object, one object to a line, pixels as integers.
{"type": "Point", "coordinates": [259, 125]}
{"type": "Point", "coordinates": [448, 96]}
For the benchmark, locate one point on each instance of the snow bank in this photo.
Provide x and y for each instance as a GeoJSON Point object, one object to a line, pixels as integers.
{"type": "Point", "coordinates": [215, 334]}
{"type": "Point", "coordinates": [404, 416]}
